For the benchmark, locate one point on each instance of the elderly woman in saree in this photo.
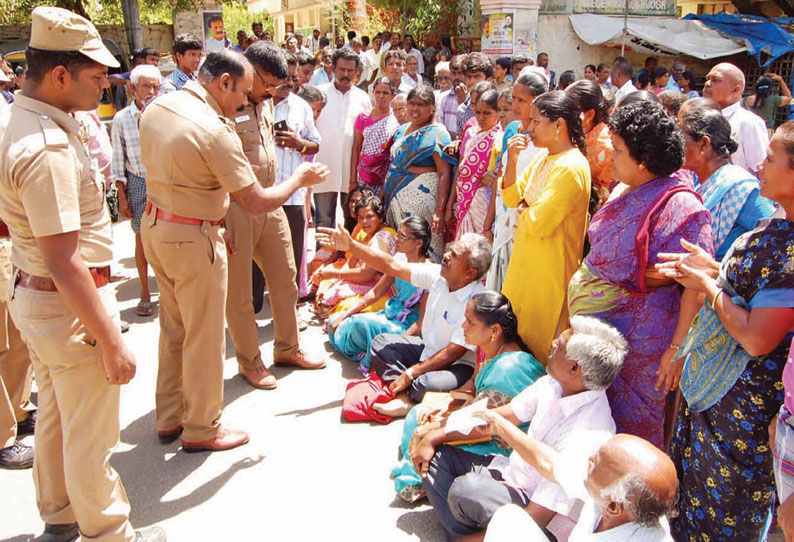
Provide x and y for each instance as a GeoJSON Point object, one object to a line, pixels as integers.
{"type": "Point", "coordinates": [351, 331]}
{"type": "Point", "coordinates": [649, 213]}
{"type": "Point", "coordinates": [552, 197]}
{"type": "Point", "coordinates": [505, 370]}
{"type": "Point", "coordinates": [729, 192]}
{"type": "Point", "coordinates": [418, 182]}
{"type": "Point", "coordinates": [735, 353]}
{"type": "Point", "coordinates": [338, 287]}
{"type": "Point", "coordinates": [372, 135]}
{"type": "Point", "coordinates": [467, 205]}
{"type": "Point", "coordinates": [505, 220]}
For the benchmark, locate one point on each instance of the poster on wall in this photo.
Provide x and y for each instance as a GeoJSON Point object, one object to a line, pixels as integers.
{"type": "Point", "coordinates": [214, 34]}
{"type": "Point", "coordinates": [497, 33]}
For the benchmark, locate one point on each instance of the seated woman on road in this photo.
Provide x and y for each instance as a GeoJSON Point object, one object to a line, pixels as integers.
{"type": "Point", "coordinates": [354, 278]}
{"type": "Point", "coordinates": [504, 372]}
{"type": "Point", "coordinates": [350, 332]}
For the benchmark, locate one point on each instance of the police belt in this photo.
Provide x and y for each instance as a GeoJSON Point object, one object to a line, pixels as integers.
{"type": "Point", "coordinates": [4, 230]}
{"type": "Point", "coordinates": [170, 217]}
{"type": "Point", "coordinates": [100, 276]}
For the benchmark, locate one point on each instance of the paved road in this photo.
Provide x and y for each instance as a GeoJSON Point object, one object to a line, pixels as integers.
{"type": "Point", "coordinates": [304, 475]}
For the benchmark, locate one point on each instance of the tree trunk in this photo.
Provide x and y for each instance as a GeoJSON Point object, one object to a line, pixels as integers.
{"type": "Point", "coordinates": [132, 23]}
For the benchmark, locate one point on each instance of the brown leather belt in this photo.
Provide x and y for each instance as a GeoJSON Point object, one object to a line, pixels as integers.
{"type": "Point", "coordinates": [168, 217]}
{"type": "Point", "coordinates": [100, 276]}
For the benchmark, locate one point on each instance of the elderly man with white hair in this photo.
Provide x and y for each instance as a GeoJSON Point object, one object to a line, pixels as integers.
{"type": "Point", "coordinates": [567, 411]}
{"type": "Point", "coordinates": [128, 171]}
{"type": "Point", "coordinates": [725, 85]}
{"type": "Point", "coordinates": [439, 360]}
{"type": "Point", "coordinates": [628, 487]}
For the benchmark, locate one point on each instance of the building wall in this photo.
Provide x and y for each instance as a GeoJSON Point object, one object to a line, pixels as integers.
{"type": "Point", "coordinates": [159, 36]}
{"type": "Point", "coordinates": [566, 51]}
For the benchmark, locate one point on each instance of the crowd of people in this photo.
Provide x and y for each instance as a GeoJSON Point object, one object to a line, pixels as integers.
{"type": "Point", "coordinates": [577, 292]}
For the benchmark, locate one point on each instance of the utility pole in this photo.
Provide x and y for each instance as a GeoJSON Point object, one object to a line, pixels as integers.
{"type": "Point", "coordinates": [132, 23]}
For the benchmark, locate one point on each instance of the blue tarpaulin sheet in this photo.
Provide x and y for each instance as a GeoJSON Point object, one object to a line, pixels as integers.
{"type": "Point", "coordinates": [760, 35]}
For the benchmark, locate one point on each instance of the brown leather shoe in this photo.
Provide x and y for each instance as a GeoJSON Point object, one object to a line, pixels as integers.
{"type": "Point", "coordinates": [226, 440]}
{"type": "Point", "coordinates": [167, 437]}
{"type": "Point", "coordinates": [259, 378]}
{"type": "Point", "coordinates": [302, 360]}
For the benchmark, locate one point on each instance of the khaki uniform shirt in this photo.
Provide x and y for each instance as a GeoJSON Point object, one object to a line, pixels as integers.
{"type": "Point", "coordinates": [49, 185]}
{"type": "Point", "coordinates": [254, 125]}
{"type": "Point", "coordinates": [192, 155]}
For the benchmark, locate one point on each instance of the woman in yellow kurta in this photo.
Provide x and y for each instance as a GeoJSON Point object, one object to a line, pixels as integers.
{"type": "Point", "coordinates": [552, 197]}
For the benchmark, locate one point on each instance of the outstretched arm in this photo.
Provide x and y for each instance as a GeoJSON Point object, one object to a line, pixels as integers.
{"type": "Point", "coordinates": [384, 262]}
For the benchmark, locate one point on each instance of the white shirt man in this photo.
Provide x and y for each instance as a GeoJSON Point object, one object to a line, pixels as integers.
{"type": "Point", "coordinates": [627, 88]}
{"type": "Point", "coordinates": [416, 53]}
{"type": "Point", "coordinates": [335, 126]}
{"type": "Point", "coordinates": [299, 117]}
{"type": "Point", "coordinates": [370, 60]}
{"type": "Point", "coordinates": [749, 130]}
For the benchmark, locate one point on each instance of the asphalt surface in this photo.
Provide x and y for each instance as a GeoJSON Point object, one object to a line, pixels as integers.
{"type": "Point", "coordinates": [305, 475]}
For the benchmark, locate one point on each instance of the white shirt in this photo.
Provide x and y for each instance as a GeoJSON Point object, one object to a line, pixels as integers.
{"type": "Point", "coordinates": [126, 144]}
{"type": "Point", "coordinates": [406, 83]}
{"type": "Point", "coordinates": [320, 77]}
{"type": "Point", "coordinates": [314, 44]}
{"type": "Point", "coordinates": [371, 62]}
{"type": "Point", "coordinates": [335, 125]}
{"type": "Point", "coordinates": [627, 88]}
{"type": "Point", "coordinates": [211, 45]}
{"type": "Point", "coordinates": [444, 314]}
{"type": "Point", "coordinates": [749, 130]}
{"type": "Point", "coordinates": [300, 119]}
{"type": "Point", "coordinates": [577, 424]}
{"type": "Point", "coordinates": [511, 523]}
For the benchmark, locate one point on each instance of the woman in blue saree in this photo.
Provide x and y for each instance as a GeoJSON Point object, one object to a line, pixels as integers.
{"type": "Point", "coordinates": [419, 178]}
{"type": "Point", "coordinates": [506, 370]}
{"type": "Point", "coordinates": [351, 331]}
{"type": "Point", "coordinates": [729, 192]}
{"type": "Point", "coordinates": [734, 356]}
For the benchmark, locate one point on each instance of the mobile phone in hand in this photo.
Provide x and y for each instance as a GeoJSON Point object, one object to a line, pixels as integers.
{"type": "Point", "coordinates": [281, 126]}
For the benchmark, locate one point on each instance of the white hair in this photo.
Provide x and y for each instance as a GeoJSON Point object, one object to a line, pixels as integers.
{"type": "Point", "coordinates": [479, 250]}
{"type": "Point", "coordinates": [536, 70]}
{"type": "Point", "coordinates": [644, 506]}
{"type": "Point", "coordinates": [598, 348]}
{"type": "Point", "coordinates": [144, 71]}
{"type": "Point", "coordinates": [442, 67]}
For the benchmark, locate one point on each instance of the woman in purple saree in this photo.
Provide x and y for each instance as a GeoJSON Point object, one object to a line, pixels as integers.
{"type": "Point", "coordinates": [651, 212]}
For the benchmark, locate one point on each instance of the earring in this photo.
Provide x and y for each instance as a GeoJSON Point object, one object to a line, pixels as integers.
{"type": "Point", "coordinates": [491, 337]}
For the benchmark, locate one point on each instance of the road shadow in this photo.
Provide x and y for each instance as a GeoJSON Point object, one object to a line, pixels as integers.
{"type": "Point", "coordinates": [422, 524]}
{"type": "Point", "coordinates": [167, 466]}
{"type": "Point", "coordinates": [299, 413]}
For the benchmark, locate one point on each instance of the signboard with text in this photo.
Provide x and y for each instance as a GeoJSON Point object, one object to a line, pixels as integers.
{"type": "Point", "coordinates": [610, 7]}
{"type": "Point", "coordinates": [497, 33]}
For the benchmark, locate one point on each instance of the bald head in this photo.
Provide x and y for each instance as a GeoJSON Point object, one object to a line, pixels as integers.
{"type": "Point", "coordinates": [724, 84]}
{"type": "Point", "coordinates": [633, 480]}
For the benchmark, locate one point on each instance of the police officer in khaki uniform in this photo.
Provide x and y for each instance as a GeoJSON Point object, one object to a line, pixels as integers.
{"type": "Point", "coordinates": [194, 160]}
{"type": "Point", "coordinates": [52, 200]}
{"type": "Point", "coordinates": [17, 413]}
{"type": "Point", "coordinates": [265, 238]}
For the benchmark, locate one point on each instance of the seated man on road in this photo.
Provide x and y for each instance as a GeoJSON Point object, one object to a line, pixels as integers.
{"type": "Point", "coordinates": [438, 360]}
{"type": "Point", "coordinates": [567, 411]}
{"type": "Point", "coordinates": [629, 488]}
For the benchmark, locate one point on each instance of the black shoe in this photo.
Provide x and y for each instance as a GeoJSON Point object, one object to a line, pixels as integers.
{"type": "Point", "coordinates": [16, 456]}
{"type": "Point", "coordinates": [151, 534]}
{"type": "Point", "coordinates": [61, 532]}
{"type": "Point", "coordinates": [28, 425]}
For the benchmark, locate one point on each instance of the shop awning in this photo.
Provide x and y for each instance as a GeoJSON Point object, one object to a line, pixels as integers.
{"type": "Point", "coordinates": [656, 35]}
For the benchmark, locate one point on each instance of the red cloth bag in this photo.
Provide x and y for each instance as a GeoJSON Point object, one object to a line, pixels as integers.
{"type": "Point", "coordinates": [361, 395]}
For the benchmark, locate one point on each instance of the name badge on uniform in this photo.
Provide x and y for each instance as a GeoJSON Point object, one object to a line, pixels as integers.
{"type": "Point", "coordinates": [241, 118]}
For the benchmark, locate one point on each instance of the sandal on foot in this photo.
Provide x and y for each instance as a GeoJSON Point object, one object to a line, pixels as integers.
{"type": "Point", "coordinates": [144, 308]}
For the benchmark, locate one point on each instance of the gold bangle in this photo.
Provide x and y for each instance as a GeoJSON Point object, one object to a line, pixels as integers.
{"type": "Point", "coordinates": [714, 301]}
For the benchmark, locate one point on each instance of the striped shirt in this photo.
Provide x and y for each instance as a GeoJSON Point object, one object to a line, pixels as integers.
{"type": "Point", "coordinates": [178, 78]}
{"type": "Point", "coordinates": [300, 119]}
{"type": "Point", "coordinates": [126, 145]}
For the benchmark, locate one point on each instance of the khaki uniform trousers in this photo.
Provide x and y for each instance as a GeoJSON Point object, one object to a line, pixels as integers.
{"type": "Point", "coordinates": [265, 239]}
{"type": "Point", "coordinates": [189, 263]}
{"type": "Point", "coordinates": [16, 371]}
{"type": "Point", "coordinates": [78, 422]}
